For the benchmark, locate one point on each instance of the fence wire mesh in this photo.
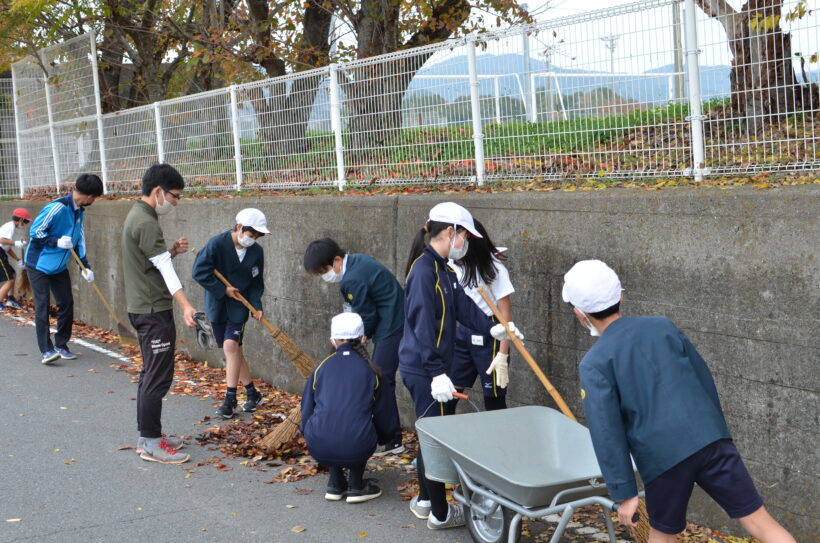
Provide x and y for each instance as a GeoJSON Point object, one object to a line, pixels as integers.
{"type": "Point", "coordinates": [605, 94]}
{"type": "Point", "coordinates": [8, 141]}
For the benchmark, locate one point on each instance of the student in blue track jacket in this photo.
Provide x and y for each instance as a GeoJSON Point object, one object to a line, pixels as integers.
{"type": "Point", "coordinates": [371, 290]}
{"type": "Point", "coordinates": [56, 230]}
{"type": "Point", "coordinates": [344, 413]}
{"type": "Point", "coordinates": [434, 302]}
{"type": "Point", "coordinates": [648, 392]}
{"type": "Point", "coordinates": [237, 256]}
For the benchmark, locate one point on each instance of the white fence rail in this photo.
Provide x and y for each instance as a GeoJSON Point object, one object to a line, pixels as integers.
{"type": "Point", "coordinates": [640, 90]}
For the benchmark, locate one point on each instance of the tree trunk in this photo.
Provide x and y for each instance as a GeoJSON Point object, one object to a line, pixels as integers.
{"type": "Point", "coordinates": [764, 87]}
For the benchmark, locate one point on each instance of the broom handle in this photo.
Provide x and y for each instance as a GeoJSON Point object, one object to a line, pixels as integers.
{"type": "Point", "coordinates": [527, 356]}
{"type": "Point", "coordinates": [273, 330]}
{"type": "Point", "coordinates": [99, 293]}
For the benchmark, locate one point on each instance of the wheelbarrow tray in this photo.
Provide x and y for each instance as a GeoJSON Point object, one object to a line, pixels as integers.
{"type": "Point", "coordinates": [525, 454]}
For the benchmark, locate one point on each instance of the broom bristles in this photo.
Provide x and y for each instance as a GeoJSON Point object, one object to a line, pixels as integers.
{"type": "Point", "coordinates": [284, 431]}
{"type": "Point", "coordinates": [640, 533]}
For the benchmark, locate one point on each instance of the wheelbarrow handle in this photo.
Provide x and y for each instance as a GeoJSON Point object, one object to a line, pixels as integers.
{"type": "Point", "coordinates": [460, 396]}
{"type": "Point", "coordinates": [636, 517]}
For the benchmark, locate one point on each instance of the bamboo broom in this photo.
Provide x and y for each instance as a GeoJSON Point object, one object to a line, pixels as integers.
{"type": "Point", "coordinates": [285, 430]}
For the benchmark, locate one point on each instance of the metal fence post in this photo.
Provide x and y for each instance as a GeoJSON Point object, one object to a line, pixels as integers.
{"type": "Point", "coordinates": [158, 128]}
{"type": "Point", "coordinates": [98, 103]}
{"type": "Point", "coordinates": [17, 116]}
{"type": "Point", "coordinates": [695, 107]}
{"type": "Point", "coordinates": [475, 108]}
{"type": "Point", "coordinates": [336, 123]}
{"type": "Point", "coordinates": [237, 144]}
{"type": "Point", "coordinates": [526, 79]}
{"type": "Point", "coordinates": [55, 158]}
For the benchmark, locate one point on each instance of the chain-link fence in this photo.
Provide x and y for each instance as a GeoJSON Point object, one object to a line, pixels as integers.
{"type": "Point", "coordinates": [9, 175]}
{"type": "Point", "coordinates": [650, 89]}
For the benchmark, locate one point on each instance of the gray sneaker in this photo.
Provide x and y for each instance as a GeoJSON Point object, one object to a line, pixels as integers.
{"type": "Point", "coordinates": [389, 448]}
{"type": "Point", "coordinates": [174, 442]}
{"type": "Point", "coordinates": [158, 450]}
{"type": "Point", "coordinates": [455, 518]}
{"type": "Point", "coordinates": [421, 511]}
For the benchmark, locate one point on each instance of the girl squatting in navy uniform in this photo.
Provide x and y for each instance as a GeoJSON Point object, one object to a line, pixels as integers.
{"type": "Point", "coordinates": [434, 301]}
{"type": "Point", "coordinates": [344, 412]}
{"type": "Point", "coordinates": [476, 353]}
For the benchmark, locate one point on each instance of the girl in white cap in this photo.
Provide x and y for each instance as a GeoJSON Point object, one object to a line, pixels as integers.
{"type": "Point", "coordinates": [434, 302]}
{"type": "Point", "coordinates": [344, 412]}
{"type": "Point", "coordinates": [237, 256]}
{"type": "Point", "coordinates": [480, 354]}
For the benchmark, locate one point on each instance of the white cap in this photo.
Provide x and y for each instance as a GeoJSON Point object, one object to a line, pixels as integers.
{"type": "Point", "coordinates": [452, 213]}
{"type": "Point", "coordinates": [252, 217]}
{"type": "Point", "coordinates": [591, 286]}
{"type": "Point", "coordinates": [346, 326]}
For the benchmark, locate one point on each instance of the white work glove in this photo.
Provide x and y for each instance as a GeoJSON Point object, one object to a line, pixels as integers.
{"type": "Point", "coordinates": [65, 242]}
{"type": "Point", "coordinates": [499, 333]}
{"type": "Point", "coordinates": [441, 389]}
{"type": "Point", "coordinates": [19, 243]}
{"type": "Point", "coordinates": [88, 275]}
{"type": "Point", "coordinates": [500, 365]}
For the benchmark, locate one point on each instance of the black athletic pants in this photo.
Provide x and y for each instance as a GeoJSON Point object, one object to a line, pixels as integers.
{"type": "Point", "coordinates": [58, 284]}
{"type": "Point", "coordinates": [157, 336]}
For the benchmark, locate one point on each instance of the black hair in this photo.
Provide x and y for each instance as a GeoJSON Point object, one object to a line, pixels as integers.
{"type": "Point", "coordinates": [250, 229]}
{"type": "Point", "coordinates": [89, 184]}
{"type": "Point", "coordinates": [164, 176]}
{"type": "Point", "coordinates": [321, 253]}
{"type": "Point", "coordinates": [611, 310]}
{"type": "Point", "coordinates": [361, 350]}
{"type": "Point", "coordinates": [422, 239]}
{"type": "Point", "coordinates": [479, 260]}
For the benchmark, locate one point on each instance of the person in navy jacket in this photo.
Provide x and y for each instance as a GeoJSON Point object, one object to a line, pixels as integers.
{"type": "Point", "coordinates": [434, 302]}
{"type": "Point", "coordinates": [344, 412]}
{"type": "Point", "coordinates": [371, 290]}
{"type": "Point", "coordinates": [56, 230]}
{"type": "Point", "coordinates": [647, 391]}
{"type": "Point", "coordinates": [237, 256]}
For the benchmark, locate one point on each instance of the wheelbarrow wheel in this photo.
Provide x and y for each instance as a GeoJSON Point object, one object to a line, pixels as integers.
{"type": "Point", "coordinates": [492, 528]}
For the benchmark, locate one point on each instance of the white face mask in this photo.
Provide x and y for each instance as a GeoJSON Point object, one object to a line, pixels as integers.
{"type": "Point", "coordinates": [165, 207]}
{"type": "Point", "coordinates": [330, 276]}
{"type": "Point", "coordinates": [245, 241]}
{"type": "Point", "coordinates": [592, 330]}
{"type": "Point", "coordinates": [457, 253]}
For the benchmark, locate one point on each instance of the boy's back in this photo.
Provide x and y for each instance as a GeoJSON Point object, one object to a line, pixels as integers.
{"type": "Point", "coordinates": [647, 391]}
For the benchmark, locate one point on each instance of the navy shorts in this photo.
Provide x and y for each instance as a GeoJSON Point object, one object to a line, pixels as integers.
{"type": "Point", "coordinates": [472, 356]}
{"type": "Point", "coordinates": [718, 470]}
{"type": "Point", "coordinates": [228, 330]}
{"type": "Point", "coordinates": [7, 272]}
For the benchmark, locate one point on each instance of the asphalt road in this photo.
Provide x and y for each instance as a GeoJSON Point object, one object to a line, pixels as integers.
{"type": "Point", "coordinates": [62, 476]}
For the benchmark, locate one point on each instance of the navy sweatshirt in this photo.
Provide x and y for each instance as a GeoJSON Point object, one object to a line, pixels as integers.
{"type": "Point", "coordinates": [434, 301]}
{"type": "Point", "coordinates": [373, 292]}
{"type": "Point", "coordinates": [344, 410]}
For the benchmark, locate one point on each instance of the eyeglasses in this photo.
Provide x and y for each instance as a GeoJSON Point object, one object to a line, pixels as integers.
{"type": "Point", "coordinates": [176, 196]}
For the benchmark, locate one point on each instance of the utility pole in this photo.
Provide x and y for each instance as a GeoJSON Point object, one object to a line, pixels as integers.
{"type": "Point", "coordinates": [677, 37]}
{"type": "Point", "coordinates": [611, 42]}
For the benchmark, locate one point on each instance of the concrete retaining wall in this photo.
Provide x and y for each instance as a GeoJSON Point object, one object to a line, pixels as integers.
{"type": "Point", "coordinates": [738, 270]}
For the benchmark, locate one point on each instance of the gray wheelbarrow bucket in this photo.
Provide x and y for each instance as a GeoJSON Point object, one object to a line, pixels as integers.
{"type": "Point", "coordinates": [525, 454]}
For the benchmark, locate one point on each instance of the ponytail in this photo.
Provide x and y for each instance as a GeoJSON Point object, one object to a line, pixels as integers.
{"type": "Point", "coordinates": [422, 239]}
{"type": "Point", "coordinates": [479, 262]}
{"type": "Point", "coordinates": [361, 350]}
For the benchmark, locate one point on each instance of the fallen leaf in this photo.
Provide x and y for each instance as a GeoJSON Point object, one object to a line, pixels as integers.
{"type": "Point", "coordinates": [125, 448]}
{"type": "Point", "coordinates": [362, 534]}
{"type": "Point", "coordinates": [291, 506]}
{"type": "Point", "coordinates": [233, 513]}
{"type": "Point", "coordinates": [298, 529]}
{"type": "Point", "coordinates": [303, 491]}
{"type": "Point", "coordinates": [13, 519]}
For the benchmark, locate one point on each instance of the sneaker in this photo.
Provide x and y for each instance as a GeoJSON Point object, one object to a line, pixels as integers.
{"type": "Point", "coordinates": [12, 303]}
{"type": "Point", "coordinates": [65, 354]}
{"type": "Point", "coordinates": [455, 518]}
{"type": "Point", "coordinates": [50, 356]}
{"type": "Point", "coordinates": [174, 442]}
{"type": "Point", "coordinates": [359, 495]}
{"type": "Point", "coordinates": [252, 401]}
{"type": "Point", "coordinates": [389, 448]}
{"type": "Point", "coordinates": [226, 410]}
{"type": "Point", "coordinates": [334, 494]}
{"type": "Point", "coordinates": [421, 510]}
{"type": "Point", "coordinates": [160, 451]}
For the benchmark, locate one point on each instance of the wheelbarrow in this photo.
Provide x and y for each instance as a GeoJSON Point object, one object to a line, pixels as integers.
{"type": "Point", "coordinates": [513, 463]}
